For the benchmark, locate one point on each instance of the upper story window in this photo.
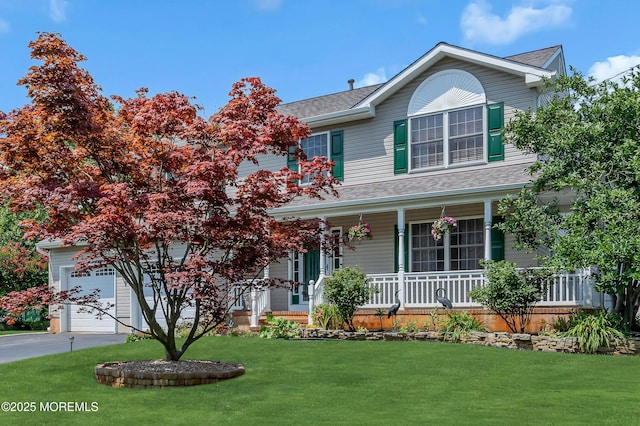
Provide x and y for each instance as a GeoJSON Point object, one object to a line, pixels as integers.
{"type": "Point", "coordinates": [315, 146]}
{"type": "Point", "coordinates": [447, 138]}
{"type": "Point", "coordinates": [326, 144]}
{"type": "Point", "coordinates": [449, 123]}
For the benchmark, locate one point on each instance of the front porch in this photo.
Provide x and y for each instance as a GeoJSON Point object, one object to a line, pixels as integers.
{"type": "Point", "coordinates": [565, 293]}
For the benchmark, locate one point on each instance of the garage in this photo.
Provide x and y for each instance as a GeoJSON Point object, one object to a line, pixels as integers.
{"type": "Point", "coordinates": [102, 279]}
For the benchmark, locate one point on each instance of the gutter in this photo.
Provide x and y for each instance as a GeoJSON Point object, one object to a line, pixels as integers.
{"type": "Point", "coordinates": [396, 199]}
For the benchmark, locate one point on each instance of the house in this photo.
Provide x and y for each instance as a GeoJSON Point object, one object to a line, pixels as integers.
{"type": "Point", "coordinates": [424, 145]}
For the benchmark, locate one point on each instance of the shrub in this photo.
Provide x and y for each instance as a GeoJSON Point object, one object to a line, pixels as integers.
{"type": "Point", "coordinates": [595, 330]}
{"type": "Point", "coordinates": [347, 289]}
{"type": "Point", "coordinates": [137, 337]}
{"type": "Point", "coordinates": [459, 323]}
{"type": "Point", "coordinates": [327, 316]}
{"type": "Point", "coordinates": [511, 293]}
{"type": "Point", "coordinates": [409, 327]}
{"type": "Point", "coordinates": [279, 328]}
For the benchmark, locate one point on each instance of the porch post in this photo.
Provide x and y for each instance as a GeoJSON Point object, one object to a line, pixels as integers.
{"type": "Point", "coordinates": [401, 256]}
{"type": "Point", "coordinates": [487, 229]}
{"type": "Point", "coordinates": [323, 260]}
{"type": "Point", "coordinates": [254, 307]}
{"type": "Point", "coordinates": [267, 296]}
{"type": "Point", "coordinates": [322, 269]}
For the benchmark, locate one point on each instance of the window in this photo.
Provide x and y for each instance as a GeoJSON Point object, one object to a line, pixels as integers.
{"type": "Point", "coordinates": [462, 249]}
{"type": "Point", "coordinates": [447, 138]}
{"type": "Point", "coordinates": [315, 146]}
{"type": "Point", "coordinates": [467, 245]}
{"type": "Point", "coordinates": [427, 254]}
{"type": "Point", "coordinates": [327, 145]}
{"type": "Point", "coordinates": [335, 258]}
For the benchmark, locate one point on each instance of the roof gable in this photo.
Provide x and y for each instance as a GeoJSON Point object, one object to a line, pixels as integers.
{"type": "Point", "coordinates": [360, 103]}
{"type": "Point", "coordinates": [532, 75]}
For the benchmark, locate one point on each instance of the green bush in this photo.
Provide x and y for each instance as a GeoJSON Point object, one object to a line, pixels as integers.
{"type": "Point", "coordinates": [327, 316]}
{"type": "Point", "coordinates": [511, 293]}
{"type": "Point", "coordinates": [138, 336]}
{"type": "Point", "coordinates": [347, 289]}
{"type": "Point", "coordinates": [458, 324]}
{"type": "Point", "coordinates": [595, 330]}
{"type": "Point", "coordinates": [409, 327]}
{"type": "Point", "coordinates": [279, 328]}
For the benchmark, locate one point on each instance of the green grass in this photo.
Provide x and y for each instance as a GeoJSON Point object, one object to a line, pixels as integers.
{"type": "Point", "coordinates": [7, 332]}
{"type": "Point", "coordinates": [339, 382]}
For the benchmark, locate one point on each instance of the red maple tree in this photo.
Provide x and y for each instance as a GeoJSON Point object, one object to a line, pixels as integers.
{"type": "Point", "coordinates": [149, 187]}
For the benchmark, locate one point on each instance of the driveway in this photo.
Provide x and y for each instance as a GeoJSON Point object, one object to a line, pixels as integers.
{"type": "Point", "coordinates": [30, 345]}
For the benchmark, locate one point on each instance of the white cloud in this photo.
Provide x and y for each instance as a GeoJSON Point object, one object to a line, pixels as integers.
{"type": "Point", "coordinates": [58, 9]}
{"type": "Point", "coordinates": [4, 26]}
{"type": "Point", "coordinates": [370, 78]}
{"type": "Point", "coordinates": [421, 20]}
{"type": "Point", "coordinates": [480, 25]}
{"type": "Point", "coordinates": [268, 4]}
{"type": "Point", "coordinates": [614, 67]}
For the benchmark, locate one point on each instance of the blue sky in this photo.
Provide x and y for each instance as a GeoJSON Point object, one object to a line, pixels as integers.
{"type": "Point", "coordinates": [302, 48]}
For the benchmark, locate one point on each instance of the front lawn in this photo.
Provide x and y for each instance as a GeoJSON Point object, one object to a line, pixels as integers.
{"type": "Point", "coordinates": [338, 382]}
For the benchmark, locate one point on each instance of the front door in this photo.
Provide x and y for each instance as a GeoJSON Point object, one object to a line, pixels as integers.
{"type": "Point", "coordinates": [306, 267]}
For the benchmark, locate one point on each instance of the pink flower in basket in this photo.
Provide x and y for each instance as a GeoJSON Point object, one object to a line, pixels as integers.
{"type": "Point", "coordinates": [443, 226]}
{"type": "Point", "coordinates": [361, 231]}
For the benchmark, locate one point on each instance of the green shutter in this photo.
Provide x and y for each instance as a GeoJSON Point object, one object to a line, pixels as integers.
{"type": "Point", "coordinates": [400, 151]}
{"type": "Point", "coordinates": [495, 122]}
{"type": "Point", "coordinates": [396, 267]}
{"type": "Point", "coordinates": [337, 155]}
{"type": "Point", "coordinates": [497, 240]}
{"type": "Point", "coordinates": [292, 162]}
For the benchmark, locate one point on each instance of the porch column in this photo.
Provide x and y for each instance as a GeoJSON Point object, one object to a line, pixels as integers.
{"type": "Point", "coordinates": [487, 229]}
{"type": "Point", "coordinates": [401, 255]}
{"type": "Point", "coordinates": [267, 296]}
{"type": "Point", "coordinates": [323, 260]}
{"type": "Point", "coordinates": [254, 307]}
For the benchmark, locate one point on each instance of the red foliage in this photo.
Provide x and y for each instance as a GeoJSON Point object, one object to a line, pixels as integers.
{"type": "Point", "coordinates": [151, 187]}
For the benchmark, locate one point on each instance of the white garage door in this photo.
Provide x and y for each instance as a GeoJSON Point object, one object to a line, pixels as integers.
{"type": "Point", "coordinates": [187, 315]}
{"type": "Point", "coordinates": [103, 279]}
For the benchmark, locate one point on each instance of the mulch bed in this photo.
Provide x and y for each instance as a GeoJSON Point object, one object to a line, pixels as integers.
{"type": "Point", "coordinates": [160, 373]}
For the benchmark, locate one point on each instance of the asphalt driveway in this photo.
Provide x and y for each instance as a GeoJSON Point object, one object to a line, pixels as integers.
{"type": "Point", "coordinates": [15, 347]}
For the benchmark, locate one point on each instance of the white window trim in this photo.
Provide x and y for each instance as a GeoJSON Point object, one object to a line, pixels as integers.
{"type": "Point", "coordinates": [446, 242]}
{"type": "Point", "coordinates": [331, 258]}
{"type": "Point", "coordinates": [445, 140]}
{"type": "Point", "coordinates": [327, 154]}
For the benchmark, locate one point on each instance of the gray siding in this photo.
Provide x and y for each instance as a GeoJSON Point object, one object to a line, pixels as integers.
{"type": "Point", "coordinates": [368, 144]}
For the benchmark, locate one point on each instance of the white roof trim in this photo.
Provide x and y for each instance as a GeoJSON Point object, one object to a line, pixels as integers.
{"type": "Point", "coordinates": [390, 202]}
{"type": "Point", "coordinates": [445, 90]}
{"type": "Point", "coordinates": [352, 114]}
{"type": "Point", "coordinates": [446, 50]}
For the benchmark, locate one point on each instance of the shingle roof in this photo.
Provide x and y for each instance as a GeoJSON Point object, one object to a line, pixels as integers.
{"type": "Point", "coordinates": [326, 104]}
{"type": "Point", "coordinates": [343, 101]}
{"type": "Point", "coordinates": [537, 58]}
{"type": "Point", "coordinates": [425, 185]}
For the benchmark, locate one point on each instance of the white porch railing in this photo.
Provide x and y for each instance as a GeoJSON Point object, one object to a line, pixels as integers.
{"type": "Point", "coordinates": [259, 302]}
{"type": "Point", "coordinates": [316, 296]}
{"type": "Point", "coordinates": [566, 289]}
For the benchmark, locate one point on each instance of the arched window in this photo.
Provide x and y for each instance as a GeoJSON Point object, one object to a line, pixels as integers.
{"type": "Point", "coordinates": [447, 121]}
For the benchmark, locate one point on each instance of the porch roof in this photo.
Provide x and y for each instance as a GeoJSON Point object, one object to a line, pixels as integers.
{"type": "Point", "coordinates": [486, 181]}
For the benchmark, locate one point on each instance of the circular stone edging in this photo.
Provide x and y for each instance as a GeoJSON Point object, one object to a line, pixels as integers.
{"type": "Point", "coordinates": [161, 374]}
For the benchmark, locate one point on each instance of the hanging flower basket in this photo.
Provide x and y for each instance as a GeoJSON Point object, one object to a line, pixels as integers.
{"type": "Point", "coordinates": [443, 226]}
{"type": "Point", "coordinates": [361, 231]}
